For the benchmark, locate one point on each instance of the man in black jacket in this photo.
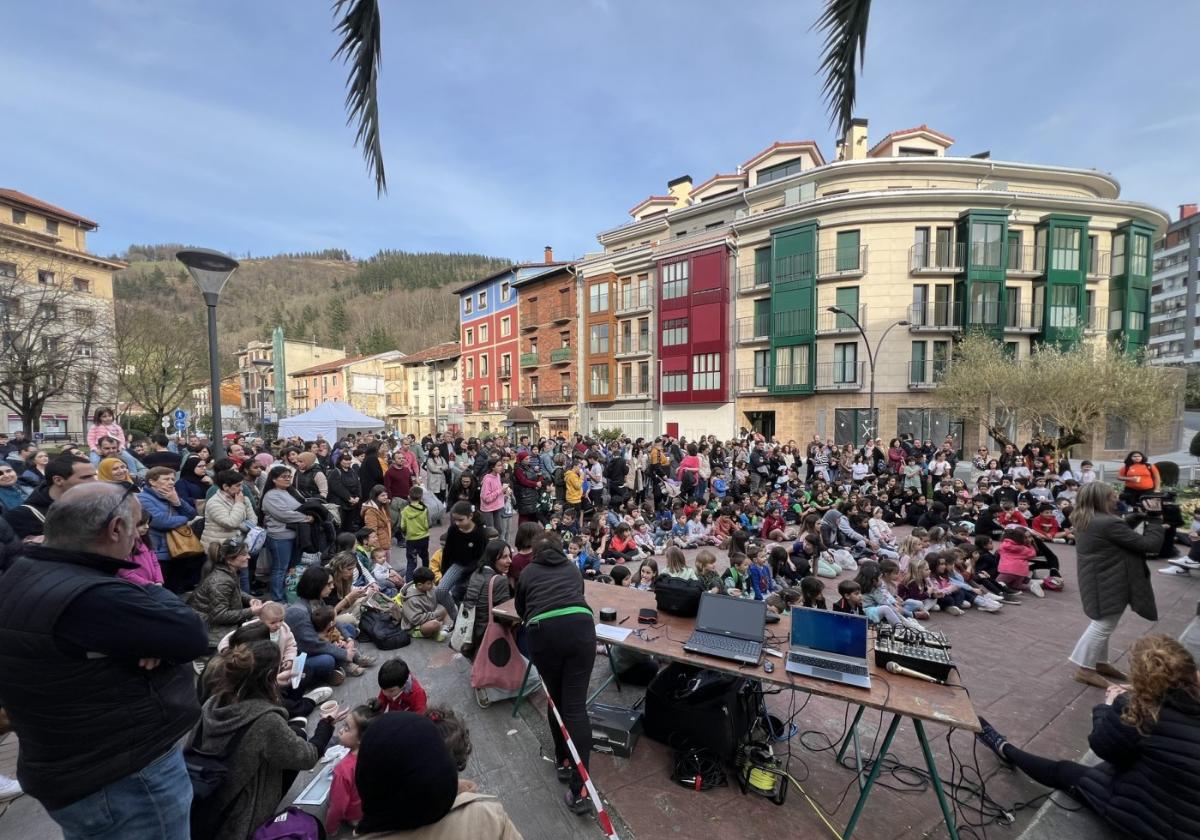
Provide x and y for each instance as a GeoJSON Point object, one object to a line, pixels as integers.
{"type": "Point", "coordinates": [95, 675]}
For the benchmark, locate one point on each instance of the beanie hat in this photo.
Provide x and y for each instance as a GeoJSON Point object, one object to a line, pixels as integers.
{"type": "Point", "coordinates": [405, 776]}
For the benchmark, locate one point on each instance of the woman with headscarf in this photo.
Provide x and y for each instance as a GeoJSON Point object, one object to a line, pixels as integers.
{"type": "Point", "coordinates": [310, 481]}
{"type": "Point", "coordinates": [114, 471]}
{"type": "Point", "coordinates": [194, 481]}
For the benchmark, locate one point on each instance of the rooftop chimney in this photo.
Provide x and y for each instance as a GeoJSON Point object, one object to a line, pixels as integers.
{"type": "Point", "coordinates": [680, 189]}
{"type": "Point", "coordinates": [855, 142]}
{"type": "Point", "coordinates": [549, 255]}
{"type": "Point", "coordinates": [1186, 211]}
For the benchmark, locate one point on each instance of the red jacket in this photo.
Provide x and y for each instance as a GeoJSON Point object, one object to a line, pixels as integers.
{"type": "Point", "coordinates": [1014, 558]}
{"type": "Point", "coordinates": [771, 523]}
{"type": "Point", "coordinates": [344, 801]}
{"type": "Point", "coordinates": [398, 481]}
{"type": "Point", "coordinates": [408, 701]}
{"type": "Point", "coordinates": [1046, 525]}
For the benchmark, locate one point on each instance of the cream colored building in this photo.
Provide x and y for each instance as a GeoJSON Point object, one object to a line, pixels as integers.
{"type": "Point", "coordinates": [357, 380]}
{"type": "Point", "coordinates": [45, 266]}
{"type": "Point", "coordinates": [262, 381]}
{"type": "Point", "coordinates": [425, 391]}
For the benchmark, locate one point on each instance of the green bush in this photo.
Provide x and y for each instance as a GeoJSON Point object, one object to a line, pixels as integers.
{"type": "Point", "coordinates": [1194, 446]}
{"type": "Point", "coordinates": [1169, 472]}
{"type": "Point", "coordinates": [608, 435]}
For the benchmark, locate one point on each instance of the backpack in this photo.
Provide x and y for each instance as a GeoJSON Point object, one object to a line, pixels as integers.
{"type": "Point", "coordinates": [381, 628]}
{"type": "Point", "coordinates": [292, 824]}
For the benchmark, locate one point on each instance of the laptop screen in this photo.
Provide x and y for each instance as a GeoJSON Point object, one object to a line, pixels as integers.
{"type": "Point", "coordinates": [832, 632]}
{"type": "Point", "coordinates": [731, 616]}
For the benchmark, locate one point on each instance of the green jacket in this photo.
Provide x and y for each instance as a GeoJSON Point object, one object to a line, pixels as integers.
{"type": "Point", "coordinates": [414, 521]}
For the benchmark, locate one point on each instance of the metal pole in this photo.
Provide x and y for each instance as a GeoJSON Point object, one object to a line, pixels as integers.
{"type": "Point", "coordinates": [217, 445]}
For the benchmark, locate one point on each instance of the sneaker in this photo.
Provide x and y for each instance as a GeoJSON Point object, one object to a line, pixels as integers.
{"type": "Point", "coordinates": [9, 788]}
{"type": "Point", "coordinates": [320, 695]}
{"type": "Point", "coordinates": [337, 677]}
{"type": "Point", "coordinates": [1011, 598]}
{"type": "Point", "coordinates": [988, 606]}
{"type": "Point", "coordinates": [953, 610]}
{"type": "Point", "coordinates": [1054, 584]}
{"type": "Point", "coordinates": [912, 622]}
{"type": "Point", "coordinates": [300, 720]}
{"type": "Point", "coordinates": [966, 605]}
{"type": "Point", "coordinates": [1175, 570]}
{"type": "Point", "coordinates": [353, 669]}
{"type": "Point", "coordinates": [366, 661]}
{"type": "Point", "coordinates": [936, 608]}
{"type": "Point", "coordinates": [993, 740]}
{"type": "Point", "coordinates": [578, 804]}
{"type": "Point", "coordinates": [416, 633]}
{"type": "Point", "coordinates": [923, 615]}
{"type": "Point", "coordinates": [1035, 586]}
{"type": "Point", "coordinates": [1185, 562]}
{"type": "Point", "coordinates": [563, 771]}
{"type": "Point", "coordinates": [441, 636]}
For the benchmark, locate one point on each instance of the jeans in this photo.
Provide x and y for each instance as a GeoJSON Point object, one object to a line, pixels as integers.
{"type": "Point", "coordinates": [1092, 646]}
{"type": "Point", "coordinates": [281, 552]}
{"type": "Point", "coordinates": [564, 651]}
{"type": "Point", "coordinates": [317, 669]}
{"type": "Point", "coordinates": [912, 605]}
{"type": "Point", "coordinates": [496, 519]}
{"type": "Point", "coordinates": [151, 804]}
{"type": "Point", "coordinates": [417, 552]}
{"type": "Point", "coordinates": [454, 580]}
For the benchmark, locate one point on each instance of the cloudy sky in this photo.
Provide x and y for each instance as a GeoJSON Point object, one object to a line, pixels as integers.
{"type": "Point", "coordinates": [510, 126]}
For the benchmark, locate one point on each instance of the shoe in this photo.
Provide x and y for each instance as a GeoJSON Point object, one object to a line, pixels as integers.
{"type": "Point", "coordinates": [416, 633]}
{"type": "Point", "coordinates": [1185, 562]}
{"type": "Point", "coordinates": [923, 615]}
{"type": "Point", "coordinates": [1054, 584]}
{"type": "Point", "coordinates": [1011, 598]}
{"type": "Point", "coordinates": [953, 610]}
{"type": "Point", "coordinates": [300, 720]}
{"type": "Point", "coordinates": [993, 740]}
{"type": "Point", "coordinates": [563, 771]}
{"type": "Point", "coordinates": [1175, 570]}
{"type": "Point", "coordinates": [9, 788]}
{"type": "Point", "coordinates": [1106, 670]}
{"type": "Point", "coordinates": [988, 606]}
{"type": "Point", "coordinates": [337, 677]}
{"type": "Point", "coordinates": [441, 636]}
{"type": "Point", "coordinates": [1035, 586]}
{"type": "Point", "coordinates": [1088, 676]}
{"type": "Point", "coordinates": [353, 669]}
{"type": "Point", "coordinates": [936, 608]}
{"type": "Point", "coordinates": [966, 605]}
{"type": "Point", "coordinates": [578, 804]}
{"type": "Point", "coordinates": [320, 695]}
{"type": "Point", "coordinates": [912, 622]}
{"type": "Point", "coordinates": [364, 661]}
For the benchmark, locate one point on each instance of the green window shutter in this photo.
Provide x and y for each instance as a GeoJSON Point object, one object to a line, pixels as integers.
{"type": "Point", "coordinates": [762, 316]}
{"type": "Point", "coordinates": [917, 367]}
{"type": "Point", "coordinates": [847, 251]}
{"type": "Point", "coordinates": [762, 266]}
{"type": "Point", "coordinates": [847, 301]}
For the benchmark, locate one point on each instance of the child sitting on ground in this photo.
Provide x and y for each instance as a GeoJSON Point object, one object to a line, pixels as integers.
{"type": "Point", "coordinates": [1016, 550]}
{"type": "Point", "coordinates": [784, 568]}
{"type": "Point", "coordinates": [344, 802]}
{"type": "Point", "coordinates": [781, 602]}
{"type": "Point", "coordinates": [812, 593]}
{"type": "Point", "coordinates": [458, 740]}
{"type": "Point", "coordinates": [762, 582]}
{"type": "Point", "coordinates": [677, 565]}
{"type": "Point", "coordinates": [962, 573]}
{"type": "Point", "coordinates": [951, 597]}
{"type": "Point", "coordinates": [916, 585]}
{"type": "Point", "coordinates": [322, 622]}
{"type": "Point", "coordinates": [647, 574]}
{"type": "Point", "coordinates": [891, 578]}
{"type": "Point", "coordinates": [621, 546]}
{"type": "Point", "coordinates": [399, 690]}
{"type": "Point", "coordinates": [620, 575]}
{"type": "Point", "coordinates": [421, 614]}
{"type": "Point", "coordinates": [850, 598]}
{"type": "Point", "coordinates": [879, 604]}
{"type": "Point", "coordinates": [736, 579]}
{"type": "Point", "coordinates": [643, 538]}
{"type": "Point", "coordinates": [580, 550]}
{"type": "Point", "coordinates": [388, 579]}
{"type": "Point", "coordinates": [706, 572]}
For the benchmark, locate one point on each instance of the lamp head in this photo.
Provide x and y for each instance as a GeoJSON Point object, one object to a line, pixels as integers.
{"type": "Point", "coordinates": [902, 323]}
{"type": "Point", "coordinates": [836, 310]}
{"type": "Point", "coordinates": [210, 269]}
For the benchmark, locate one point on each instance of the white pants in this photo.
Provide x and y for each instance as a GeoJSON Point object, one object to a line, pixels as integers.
{"type": "Point", "coordinates": [1092, 646]}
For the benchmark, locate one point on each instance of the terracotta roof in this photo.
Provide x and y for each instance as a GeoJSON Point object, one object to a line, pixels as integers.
{"type": "Point", "coordinates": [329, 367]}
{"type": "Point", "coordinates": [733, 176]}
{"type": "Point", "coordinates": [784, 144]}
{"type": "Point", "coordinates": [436, 353]}
{"type": "Point", "coordinates": [914, 130]}
{"type": "Point", "coordinates": [38, 206]}
{"type": "Point", "coordinates": [652, 199]}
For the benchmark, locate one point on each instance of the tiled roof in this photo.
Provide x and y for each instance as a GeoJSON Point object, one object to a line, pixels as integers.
{"type": "Point", "coordinates": [436, 353]}
{"type": "Point", "coordinates": [652, 199]}
{"type": "Point", "coordinates": [922, 127]}
{"type": "Point", "coordinates": [784, 144]}
{"type": "Point", "coordinates": [329, 367]}
{"type": "Point", "coordinates": [39, 206]}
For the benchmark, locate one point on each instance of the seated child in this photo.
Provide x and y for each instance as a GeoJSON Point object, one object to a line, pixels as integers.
{"type": "Point", "coordinates": [1016, 551]}
{"type": "Point", "coordinates": [344, 802]}
{"type": "Point", "coordinates": [580, 550]}
{"type": "Point", "coordinates": [951, 597]}
{"type": "Point", "coordinates": [762, 582]}
{"type": "Point", "coordinates": [399, 690]}
{"type": "Point", "coordinates": [812, 591]}
{"type": "Point", "coordinates": [851, 597]}
{"type": "Point", "coordinates": [322, 621]}
{"type": "Point", "coordinates": [891, 577]}
{"type": "Point", "coordinates": [962, 573]}
{"type": "Point", "coordinates": [647, 574]}
{"type": "Point", "coordinates": [736, 579]}
{"type": "Point", "coordinates": [458, 740]}
{"type": "Point", "coordinates": [677, 565]}
{"type": "Point", "coordinates": [421, 613]}
{"type": "Point", "coordinates": [620, 575]}
{"type": "Point", "coordinates": [1046, 523]}
{"type": "Point", "coordinates": [781, 602]}
{"type": "Point", "coordinates": [706, 572]}
{"type": "Point", "coordinates": [879, 604]}
{"type": "Point", "coordinates": [388, 579]}
{"type": "Point", "coordinates": [643, 538]}
{"type": "Point", "coordinates": [621, 546]}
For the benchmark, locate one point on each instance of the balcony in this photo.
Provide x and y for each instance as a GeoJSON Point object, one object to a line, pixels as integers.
{"type": "Point", "coordinates": [934, 258]}
{"type": "Point", "coordinates": [1099, 264]}
{"type": "Point", "coordinates": [633, 345]}
{"type": "Point", "coordinates": [935, 316]}
{"type": "Point", "coordinates": [631, 299]}
{"type": "Point", "coordinates": [793, 322]}
{"type": "Point", "coordinates": [1025, 260]}
{"type": "Point", "coordinates": [835, 264]}
{"type": "Point", "coordinates": [529, 320]}
{"type": "Point", "coordinates": [562, 355]}
{"type": "Point", "coordinates": [756, 328]}
{"type": "Point", "coordinates": [794, 268]}
{"type": "Point", "coordinates": [505, 372]}
{"type": "Point", "coordinates": [553, 396]}
{"type": "Point", "coordinates": [831, 323]}
{"type": "Point", "coordinates": [299, 393]}
{"type": "Point", "coordinates": [755, 277]}
{"type": "Point", "coordinates": [924, 374]}
{"type": "Point", "coordinates": [529, 360]}
{"type": "Point", "coordinates": [533, 317]}
{"type": "Point", "coordinates": [561, 314]}
{"type": "Point", "coordinates": [1020, 318]}
{"type": "Point", "coordinates": [1095, 319]}
{"type": "Point", "coordinates": [840, 376]}
{"type": "Point", "coordinates": [753, 380]}
{"type": "Point", "coordinates": [633, 389]}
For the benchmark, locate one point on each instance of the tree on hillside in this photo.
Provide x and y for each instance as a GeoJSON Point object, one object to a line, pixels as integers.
{"type": "Point", "coordinates": [337, 323]}
{"type": "Point", "coordinates": [1072, 389]}
{"type": "Point", "coordinates": [160, 358]}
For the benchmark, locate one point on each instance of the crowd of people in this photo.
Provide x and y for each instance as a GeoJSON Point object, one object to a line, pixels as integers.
{"type": "Point", "coordinates": [261, 571]}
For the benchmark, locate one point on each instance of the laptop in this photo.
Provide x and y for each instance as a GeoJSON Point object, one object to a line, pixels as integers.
{"type": "Point", "coordinates": [729, 628]}
{"type": "Point", "coordinates": [829, 646]}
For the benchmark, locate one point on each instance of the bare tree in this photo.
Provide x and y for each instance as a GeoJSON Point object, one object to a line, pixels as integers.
{"type": "Point", "coordinates": [160, 357]}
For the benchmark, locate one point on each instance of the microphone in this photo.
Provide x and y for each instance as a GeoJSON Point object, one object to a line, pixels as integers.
{"type": "Point", "coordinates": [894, 667]}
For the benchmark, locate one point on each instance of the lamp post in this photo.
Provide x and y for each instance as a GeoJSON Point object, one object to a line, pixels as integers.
{"type": "Point", "coordinates": [211, 269]}
{"type": "Point", "coordinates": [837, 310]}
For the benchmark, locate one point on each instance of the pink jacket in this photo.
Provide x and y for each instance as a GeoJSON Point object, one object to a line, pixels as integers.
{"type": "Point", "coordinates": [1014, 558]}
{"type": "Point", "coordinates": [113, 431]}
{"type": "Point", "coordinates": [491, 493]}
{"type": "Point", "coordinates": [148, 571]}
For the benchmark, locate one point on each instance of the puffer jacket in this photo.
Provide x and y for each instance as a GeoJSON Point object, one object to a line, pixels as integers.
{"type": "Point", "coordinates": [219, 600]}
{"type": "Point", "coordinates": [164, 517]}
{"type": "Point", "coordinates": [225, 519]}
{"type": "Point", "coordinates": [1112, 567]}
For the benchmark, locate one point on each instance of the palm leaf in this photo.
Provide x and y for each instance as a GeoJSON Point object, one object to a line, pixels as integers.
{"type": "Point", "coordinates": [844, 23]}
{"type": "Point", "coordinates": [360, 48]}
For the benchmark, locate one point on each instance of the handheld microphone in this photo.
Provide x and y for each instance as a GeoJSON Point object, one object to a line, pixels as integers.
{"type": "Point", "coordinates": [897, 668]}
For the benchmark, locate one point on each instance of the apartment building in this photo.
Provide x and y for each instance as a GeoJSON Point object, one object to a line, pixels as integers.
{"type": "Point", "coordinates": [433, 388]}
{"type": "Point", "coordinates": [548, 311]}
{"type": "Point", "coordinates": [1174, 306]}
{"type": "Point", "coordinates": [264, 368]}
{"type": "Point", "coordinates": [48, 275]}
{"type": "Point", "coordinates": [356, 380]}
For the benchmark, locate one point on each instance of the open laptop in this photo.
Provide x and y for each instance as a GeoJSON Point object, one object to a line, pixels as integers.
{"type": "Point", "coordinates": [730, 628]}
{"type": "Point", "coordinates": [829, 646]}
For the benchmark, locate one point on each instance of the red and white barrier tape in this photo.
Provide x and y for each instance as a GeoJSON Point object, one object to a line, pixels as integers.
{"type": "Point", "coordinates": [601, 814]}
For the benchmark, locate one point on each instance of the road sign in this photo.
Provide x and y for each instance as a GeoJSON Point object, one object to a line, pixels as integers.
{"type": "Point", "coordinates": [166, 422]}
{"type": "Point", "coordinates": [181, 423]}
{"type": "Point", "coordinates": [38, 437]}
{"type": "Point", "coordinates": [180, 416]}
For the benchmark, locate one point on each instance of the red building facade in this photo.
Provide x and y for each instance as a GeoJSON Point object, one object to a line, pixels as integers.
{"type": "Point", "coordinates": [693, 326]}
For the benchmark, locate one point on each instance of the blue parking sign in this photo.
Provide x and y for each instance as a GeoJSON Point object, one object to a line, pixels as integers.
{"type": "Point", "coordinates": [180, 416]}
{"type": "Point", "coordinates": [181, 423]}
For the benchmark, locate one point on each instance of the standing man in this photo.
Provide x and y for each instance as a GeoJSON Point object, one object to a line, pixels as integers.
{"type": "Point", "coordinates": [96, 679]}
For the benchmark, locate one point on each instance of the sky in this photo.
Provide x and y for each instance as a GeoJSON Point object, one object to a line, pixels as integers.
{"type": "Point", "coordinates": [509, 126]}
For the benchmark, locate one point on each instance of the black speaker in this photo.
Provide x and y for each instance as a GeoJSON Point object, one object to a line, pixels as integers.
{"type": "Point", "coordinates": [688, 707]}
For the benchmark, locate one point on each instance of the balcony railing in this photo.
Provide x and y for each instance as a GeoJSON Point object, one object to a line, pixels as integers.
{"type": "Point", "coordinates": [553, 396]}
{"type": "Point", "coordinates": [933, 316]}
{"type": "Point", "coordinates": [794, 268]}
{"type": "Point", "coordinates": [1099, 264]}
{"type": "Point", "coordinates": [1021, 318]}
{"type": "Point", "coordinates": [752, 329]}
{"type": "Point", "coordinates": [832, 322]}
{"type": "Point", "coordinates": [632, 388]}
{"type": "Point", "coordinates": [533, 317]}
{"type": "Point", "coordinates": [299, 393]}
{"type": "Point", "coordinates": [753, 380]}
{"type": "Point", "coordinates": [529, 359]}
{"type": "Point", "coordinates": [505, 372]}
{"type": "Point", "coordinates": [841, 262]}
{"type": "Point", "coordinates": [793, 322]}
{"type": "Point", "coordinates": [561, 354]}
{"type": "Point", "coordinates": [790, 378]}
{"type": "Point", "coordinates": [634, 299]}
{"type": "Point", "coordinates": [926, 373]}
{"type": "Point", "coordinates": [840, 376]}
{"type": "Point", "coordinates": [1095, 319]}
{"type": "Point", "coordinates": [934, 258]}
{"type": "Point", "coordinates": [753, 277]}
{"type": "Point", "coordinates": [633, 345]}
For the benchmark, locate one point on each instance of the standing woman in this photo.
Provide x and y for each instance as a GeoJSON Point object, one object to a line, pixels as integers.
{"type": "Point", "coordinates": [436, 468]}
{"type": "Point", "coordinates": [561, 634]}
{"type": "Point", "coordinates": [376, 517]}
{"type": "Point", "coordinates": [492, 496]}
{"type": "Point", "coordinates": [280, 512]}
{"type": "Point", "coordinates": [345, 490]}
{"type": "Point", "coordinates": [168, 512]}
{"type": "Point", "coordinates": [1140, 477]}
{"type": "Point", "coordinates": [465, 542]}
{"type": "Point", "coordinates": [1112, 573]}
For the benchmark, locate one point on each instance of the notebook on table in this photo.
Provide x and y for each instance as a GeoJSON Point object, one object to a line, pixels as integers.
{"type": "Point", "coordinates": [830, 646]}
{"type": "Point", "coordinates": [729, 628]}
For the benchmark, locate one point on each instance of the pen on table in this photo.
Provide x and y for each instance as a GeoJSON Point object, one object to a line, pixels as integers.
{"type": "Point", "coordinates": [623, 620]}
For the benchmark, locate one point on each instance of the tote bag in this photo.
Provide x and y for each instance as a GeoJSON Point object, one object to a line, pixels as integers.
{"type": "Point", "coordinates": [183, 542]}
{"type": "Point", "coordinates": [498, 663]}
{"type": "Point", "coordinates": [460, 636]}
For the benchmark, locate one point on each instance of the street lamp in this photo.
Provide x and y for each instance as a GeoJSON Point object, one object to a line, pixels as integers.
{"type": "Point", "coordinates": [210, 270]}
{"type": "Point", "coordinates": [264, 367]}
{"type": "Point", "coordinates": [837, 310]}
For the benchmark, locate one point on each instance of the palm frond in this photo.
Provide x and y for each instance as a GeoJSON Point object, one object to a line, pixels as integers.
{"type": "Point", "coordinates": [360, 47]}
{"type": "Point", "coordinates": [844, 23]}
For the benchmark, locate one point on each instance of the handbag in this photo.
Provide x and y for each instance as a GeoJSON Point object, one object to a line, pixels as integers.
{"type": "Point", "coordinates": [677, 596]}
{"type": "Point", "coordinates": [498, 663]}
{"type": "Point", "coordinates": [254, 539]}
{"type": "Point", "coordinates": [460, 636]}
{"type": "Point", "coordinates": [183, 542]}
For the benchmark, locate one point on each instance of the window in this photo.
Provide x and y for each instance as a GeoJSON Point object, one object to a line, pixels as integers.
{"type": "Point", "coordinates": [1139, 264]}
{"type": "Point", "coordinates": [470, 334]}
{"type": "Point", "coordinates": [916, 363]}
{"type": "Point", "coordinates": [1014, 250]}
{"type": "Point", "coordinates": [85, 317]}
{"type": "Point", "coordinates": [564, 338]}
{"type": "Point", "coordinates": [1116, 432]}
{"type": "Point", "coordinates": [780, 170]}
{"type": "Point", "coordinates": [1089, 311]}
{"type": "Point", "coordinates": [468, 396]}
{"type": "Point", "coordinates": [18, 217]}
{"type": "Point", "coordinates": [919, 314]}
{"type": "Point", "coordinates": [485, 397]}
{"type": "Point", "coordinates": [47, 310]}
{"type": "Point", "coordinates": [533, 387]}
{"type": "Point", "coordinates": [598, 297]}
{"type": "Point", "coordinates": [706, 372]}
{"type": "Point", "coordinates": [945, 246]}
{"type": "Point", "coordinates": [506, 392]}
{"type": "Point", "coordinates": [1013, 304]}
{"type": "Point", "coordinates": [49, 344]}
{"type": "Point", "coordinates": [81, 284]}
{"type": "Point", "coordinates": [470, 367]}
{"type": "Point", "coordinates": [916, 151]}
{"type": "Point", "coordinates": [483, 333]}
{"type": "Point", "coordinates": [762, 368]}
{"type": "Point", "coordinates": [8, 271]}
{"type": "Point", "coordinates": [506, 363]}
{"type": "Point", "coordinates": [791, 365]}
{"type": "Point", "coordinates": [1064, 249]}
{"type": "Point", "coordinates": [598, 339]}
{"type": "Point", "coordinates": [468, 305]}
{"type": "Point", "coordinates": [985, 244]}
{"type": "Point", "coordinates": [598, 377]}
{"type": "Point", "coordinates": [675, 280]}
{"type": "Point", "coordinates": [643, 378]}
{"type": "Point", "coordinates": [1118, 254]}
{"type": "Point", "coordinates": [847, 251]}
{"type": "Point", "coordinates": [52, 227]}
{"type": "Point", "coordinates": [1093, 254]}
{"type": "Point", "coordinates": [483, 300]}
{"type": "Point", "coordinates": [85, 350]}
{"type": "Point", "coordinates": [483, 364]}
{"type": "Point", "coordinates": [985, 303]}
{"type": "Point", "coordinates": [847, 301]}
{"type": "Point", "coordinates": [675, 332]}
{"type": "Point", "coordinates": [46, 278]}
{"type": "Point", "coordinates": [1012, 350]}
{"type": "Point", "coordinates": [1064, 306]}
{"type": "Point", "coordinates": [505, 326]}
{"type": "Point", "coordinates": [1137, 308]}
{"type": "Point", "coordinates": [845, 362]}
{"type": "Point", "coordinates": [921, 256]}
{"type": "Point", "coordinates": [673, 383]}
{"type": "Point", "coordinates": [505, 291]}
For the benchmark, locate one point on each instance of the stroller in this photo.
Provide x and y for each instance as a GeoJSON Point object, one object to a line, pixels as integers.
{"type": "Point", "coordinates": [670, 487]}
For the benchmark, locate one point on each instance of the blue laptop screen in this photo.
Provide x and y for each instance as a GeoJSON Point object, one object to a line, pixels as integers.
{"type": "Point", "coordinates": [831, 632]}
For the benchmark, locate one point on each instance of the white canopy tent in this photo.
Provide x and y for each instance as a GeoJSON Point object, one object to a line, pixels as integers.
{"type": "Point", "coordinates": [330, 420]}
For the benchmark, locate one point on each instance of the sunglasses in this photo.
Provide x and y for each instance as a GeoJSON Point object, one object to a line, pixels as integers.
{"type": "Point", "coordinates": [129, 491]}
